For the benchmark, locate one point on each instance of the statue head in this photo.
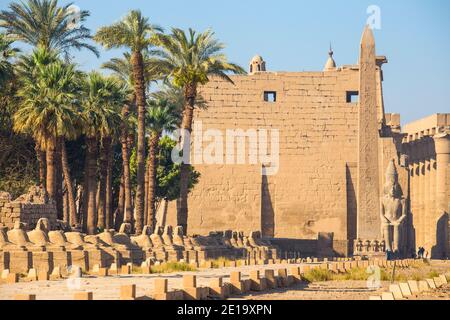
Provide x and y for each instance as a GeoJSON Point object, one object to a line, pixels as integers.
{"type": "Point", "coordinates": [125, 228]}
{"type": "Point", "coordinates": [391, 186]}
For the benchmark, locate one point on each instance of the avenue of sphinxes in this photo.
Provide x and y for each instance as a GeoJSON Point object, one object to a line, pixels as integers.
{"type": "Point", "coordinates": [350, 179]}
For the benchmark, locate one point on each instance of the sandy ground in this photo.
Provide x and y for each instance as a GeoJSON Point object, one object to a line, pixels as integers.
{"type": "Point", "coordinates": [108, 288]}
{"type": "Point", "coordinates": [356, 290]}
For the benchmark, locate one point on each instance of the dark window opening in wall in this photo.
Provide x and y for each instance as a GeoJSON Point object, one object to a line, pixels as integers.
{"type": "Point", "coordinates": [270, 96]}
{"type": "Point", "coordinates": [352, 96]}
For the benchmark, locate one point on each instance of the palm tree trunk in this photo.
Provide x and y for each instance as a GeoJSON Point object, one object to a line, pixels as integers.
{"type": "Point", "coordinates": [105, 145]}
{"type": "Point", "coordinates": [84, 202]}
{"type": "Point", "coordinates": [118, 216]}
{"type": "Point", "coordinates": [190, 93]}
{"type": "Point", "coordinates": [66, 207]}
{"type": "Point", "coordinates": [41, 161]}
{"type": "Point", "coordinates": [69, 185]}
{"type": "Point", "coordinates": [126, 142]}
{"type": "Point", "coordinates": [139, 89]}
{"type": "Point", "coordinates": [97, 198]}
{"type": "Point", "coordinates": [59, 181]}
{"type": "Point", "coordinates": [147, 171]}
{"type": "Point", "coordinates": [50, 162]}
{"type": "Point", "coordinates": [91, 177]}
{"type": "Point", "coordinates": [152, 165]}
{"type": "Point", "coordinates": [109, 191]}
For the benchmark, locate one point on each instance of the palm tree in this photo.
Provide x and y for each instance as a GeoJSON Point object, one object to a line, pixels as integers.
{"type": "Point", "coordinates": [134, 32]}
{"type": "Point", "coordinates": [161, 117]}
{"type": "Point", "coordinates": [101, 104]}
{"type": "Point", "coordinates": [47, 112]}
{"type": "Point", "coordinates": [28, 67]}
{"type": "Point", "coordinates": [190, 60]}
{"type": "Point", "coordinates": [6, 54]}
{"type": "Point", "coordinates": [42, 23]}
{"type": "Point", "coordinates": [123, 69]}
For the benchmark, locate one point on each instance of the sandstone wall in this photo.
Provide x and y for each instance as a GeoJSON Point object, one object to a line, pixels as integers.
{"type": "Point", "coordinates": [318, 139]}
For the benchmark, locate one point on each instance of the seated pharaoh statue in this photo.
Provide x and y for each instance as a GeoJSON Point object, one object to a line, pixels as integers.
{"type": "Point", "coordinates": [393, 212]}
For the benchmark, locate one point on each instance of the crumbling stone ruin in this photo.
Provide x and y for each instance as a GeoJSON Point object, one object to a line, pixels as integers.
{"type": "Point", "coordinates": [27, 209]}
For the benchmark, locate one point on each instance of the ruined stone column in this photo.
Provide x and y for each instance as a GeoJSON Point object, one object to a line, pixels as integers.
{"type": "Point", "coordinates": [368, 171]}
{"type": "Point", "coordinates": [420, 202]}
{"type": "Point", "coordinates": [442, 144]}
{"type": "Point", "coordinates": [414, 202]}
{"type": "Point", "coordinates": [426, 198]}
{"type": "Point", "coordinates": [431, 225]}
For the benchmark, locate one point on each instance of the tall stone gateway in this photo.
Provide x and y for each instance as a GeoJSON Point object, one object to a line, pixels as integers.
{"type": "Point", "coordinates": [368, 217]}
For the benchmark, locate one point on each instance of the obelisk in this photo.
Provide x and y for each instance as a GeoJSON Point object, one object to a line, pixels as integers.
{"type": "Point", "coordinates": [368, 223]}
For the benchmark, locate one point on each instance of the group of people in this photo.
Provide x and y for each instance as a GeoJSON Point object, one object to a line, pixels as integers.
{"type": "Point", "coordinates": [422, 254]}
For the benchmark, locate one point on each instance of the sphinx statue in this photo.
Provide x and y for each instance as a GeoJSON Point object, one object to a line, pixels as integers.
{"type": "Point", "coordinates": [143, 240]}
{"type": "Point", "coordinates": [18, 236]}
{"type": "Point", "coordinates": [393, 211]}
{"type": "Point", "coordinates": [39, 236]}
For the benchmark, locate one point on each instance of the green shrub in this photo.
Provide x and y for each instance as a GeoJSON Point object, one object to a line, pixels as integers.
{"type": "Point", "coordinates": [169, 267]}
{"type": "Point", "coordinates": [318, 275]}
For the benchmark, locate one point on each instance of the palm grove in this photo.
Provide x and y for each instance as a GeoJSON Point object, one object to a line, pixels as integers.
{"type": "Point", "coordinates": [102, 143]}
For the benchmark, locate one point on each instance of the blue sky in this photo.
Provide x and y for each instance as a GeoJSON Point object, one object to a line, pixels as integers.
{"type": "Point", "coordinates": [294, 35]}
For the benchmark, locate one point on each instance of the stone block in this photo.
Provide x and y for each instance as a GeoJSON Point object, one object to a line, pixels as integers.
{"type": "Point", "coordinates": [160, 286]}
{"type": "Point", "coordinates": [32, 275]}
{"type": "Point", "coordinates": [247, 285]}
{"type": "Point", "coordinates": [189, 281]}
{"type": "Point", "coordinates": [79, 258]}
{"type": "Point", "coordinates": [5, 274]}
{"type": "Point", "coordinates": [56, 273]}
{"type": "Point", "coordinates": [4, 260]}
{"type": "Point", "coordinates": [257, 283]}
{"type": "Point", "coordinates": [431, 283]}
{"type": "Point", "coordinates": [43, 275]}
{"type": "Point", "coordinates": [375, 298]}
{"type": "Point", "coordinates": [296, 275]}
{"type": "Point", "coordinates": [413, 286]}
{"type": "Point", "coordinates": [128, 292]}
{"type": "Point", "coordinates": [83, 296]}
{"type": "Point", "coordinates": [443, 279]}
{"type": "Point", "coordinates": [235, 276]}
{"type": "Point", "coordinates": [396, 291]}
{"type": "Point", "coordinates": [387, 296]}
{"type": "Point", "coordinates": [192, 293]}
{"type": "Point", "coordinates": [25, 297]}
{"type": "Point", "coordinates": [406, 291]}
{"type": "Point", "coordinates": [424, 286]}
{"type": "Point", "coordinates": [103, 272]}
{"type": "Point", "coordinates": [20, 261]}
{"type": "Point", "coordinates": [304, 269]}
{"type": "Point", "coordinates": [216, 282]}
{"type": "Point", "coordinates": [125, 270]}
{"type": "Point", "coordinates": [438, 282]}
{"type": "Point", "coordinates": [42, 260]}
{"type": "Point", "coordinates": [113, 269]}
{"type": "Point", "coordinates": [270, 279]}
{"type": "Point", "coordinates": [12, 278]}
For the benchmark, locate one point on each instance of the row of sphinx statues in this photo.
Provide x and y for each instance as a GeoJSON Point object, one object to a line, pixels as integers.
{"type": "Point", "coordinates": [161, 244]}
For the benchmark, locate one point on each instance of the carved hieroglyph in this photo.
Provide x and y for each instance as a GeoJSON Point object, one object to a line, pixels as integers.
{"type": "Point", "coordinates": [368, 175]}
